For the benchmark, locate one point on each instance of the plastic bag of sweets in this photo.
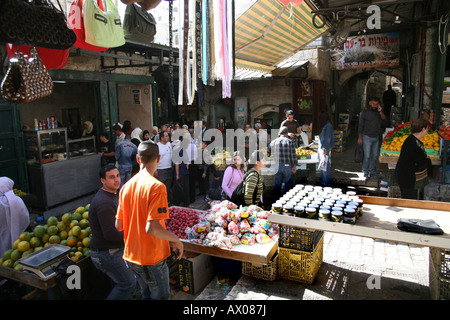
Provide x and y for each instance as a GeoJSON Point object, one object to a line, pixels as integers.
{"type": "Point", "coordinates": [262, 214]}
{"type": "Point", "coordinates": [202, 227]}
{"type": "Point", "coordinates": [235, 215]}
{"type": "Point", "coordinates": [248, 239]}
{"type": "Point", "coordinates": [244, 226]}
{"type": "Point", "coordinates": [223, 243]}
{"type": "Point", "coordinates": [254, 209]}
{"type": "Point", "coordinates": [221, 222]}
{"type": "Point", "coordinates": [233, 228]}
{"type": "Point", "coordinates": [234, 239]}
{"type": "Point", "coordinates": [225, 213]}
{"type": "Point", "coordinates": [244, 213]}
{"type": "Point", "coordinates": [227, 204]}
{"type": "Point", "coordinates": [263, 238]}
{"type": "Point", "coordinates": [255, 229]}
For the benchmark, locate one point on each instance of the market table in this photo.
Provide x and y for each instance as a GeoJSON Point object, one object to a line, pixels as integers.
{"type": "Point", "coordinates": [257, 253]}
{"type": "Point", "coordinates": [379, 221]}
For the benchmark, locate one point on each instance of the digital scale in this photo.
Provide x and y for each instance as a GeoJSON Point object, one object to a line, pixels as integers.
{"type": "Point", "coordinates": [43, 262]}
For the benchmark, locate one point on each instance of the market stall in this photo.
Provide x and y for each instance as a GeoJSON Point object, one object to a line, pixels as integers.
{"type": "Point", "coordinates": [60, 169]}
{"type": "Point", "coordinates": [226, 231]}
{"type": "Point", "coordinates": [39, 257]}
{"type": "Point", "coordinates": [393, 141]}
{"type": "Point", "coordinates": [379, 221]}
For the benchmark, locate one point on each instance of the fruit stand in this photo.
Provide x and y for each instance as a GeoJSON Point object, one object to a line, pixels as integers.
{"type": "Point", "coordinates": [393, 141]}
{"type": "Point", "coordinates": [71, 230]}
{"type": "Point", "coordinates": [379, 221]}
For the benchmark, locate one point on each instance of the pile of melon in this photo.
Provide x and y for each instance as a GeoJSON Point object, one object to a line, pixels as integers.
{"type": "Point", "coordinates": [71, 230]}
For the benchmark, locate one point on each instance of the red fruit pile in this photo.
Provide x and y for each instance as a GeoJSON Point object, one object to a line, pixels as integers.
{"type": "Point", "coordinates": [180, 219]}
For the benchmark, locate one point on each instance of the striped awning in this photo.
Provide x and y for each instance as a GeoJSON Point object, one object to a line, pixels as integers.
{"type": "Point", "coordinates": [270, 31]}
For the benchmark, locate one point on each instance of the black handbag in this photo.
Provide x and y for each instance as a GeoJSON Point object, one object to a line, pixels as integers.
{"type": "Point", "coordinates": [359, 154]}
{"type": "Point", "coordinates": [238, 196]}
{"type": "Point", "coordinates": [138, 25]}
{"type": "Point", "coordinates": [36, 23]}
{"type": "Point", "coordinates": [419, 226]}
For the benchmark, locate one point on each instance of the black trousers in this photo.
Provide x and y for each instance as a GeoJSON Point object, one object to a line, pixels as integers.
{"type": "Point", "coordinates": [407, 193]}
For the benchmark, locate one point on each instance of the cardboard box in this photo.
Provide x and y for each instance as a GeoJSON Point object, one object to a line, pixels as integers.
{"type": "Point", "coordinates": [192, 273]}
{"type": "Point", "coordinates": [446, 98]}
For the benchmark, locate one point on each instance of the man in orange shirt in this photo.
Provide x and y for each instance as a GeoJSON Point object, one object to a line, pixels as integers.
{"type": "Point", "coordinates": [141, 213]}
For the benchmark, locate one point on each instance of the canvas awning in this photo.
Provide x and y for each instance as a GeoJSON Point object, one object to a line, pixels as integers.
{"type": "Point", "coordinates": [270, 31]}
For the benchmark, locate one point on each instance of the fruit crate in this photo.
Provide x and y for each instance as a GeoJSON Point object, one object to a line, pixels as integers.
{"type": "Point", "coordinates": [300, 266]}
{"type": "Point", "coordinates": [261, 271]}
{"type": "Point", "coordinates": [298, 238]}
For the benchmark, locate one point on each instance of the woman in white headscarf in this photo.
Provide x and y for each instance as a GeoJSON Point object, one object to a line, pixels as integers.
{"type": "Point", "coordinates": [14, 215]}
{"type": "Point", "coordinates": [88, 129]}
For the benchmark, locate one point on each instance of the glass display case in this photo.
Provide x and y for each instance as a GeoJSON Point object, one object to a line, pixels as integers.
{"type": "Point", "coordinates": [45, 146]}
{"type": "Point", "coordinates": [82, 147]}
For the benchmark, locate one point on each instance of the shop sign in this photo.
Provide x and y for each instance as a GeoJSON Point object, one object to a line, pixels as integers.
{"type": "Point", "coordinates": [367, 51]}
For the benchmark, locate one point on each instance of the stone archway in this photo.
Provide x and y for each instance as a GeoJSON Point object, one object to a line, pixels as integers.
{"type": "Point", "coordinates": [258, 111]}
{"type": "Point", "coordinates": [267, 111]}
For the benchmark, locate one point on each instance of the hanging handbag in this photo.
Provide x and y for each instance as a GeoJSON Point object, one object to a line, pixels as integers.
{"type": "Point", "coordinates": [35, 23]}
{"type": "Point", "coordinates": [26, 80]}
{"type": "Point", "coordinates": [103, 28]}
{"type": "Point", "coordinates": [138, 25]}
{"type": "Point", "coordinates": [421, 179]}
{"type": "Point", "coordinates": [51, 58]}
{"type": "Point", "coordinates": [76, 22]}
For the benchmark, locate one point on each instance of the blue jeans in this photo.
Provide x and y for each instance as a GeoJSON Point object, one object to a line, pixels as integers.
{"type": "Point", "coordinates": [370, 147]}
{"type": "Point", "coordinates": [284, 174]}
{"type": "Point", "coordinates": [125, 174]}
{"type": "Point", "coordinates": [153, 280]}
{"type": "Point", "coordinates": [325, 176]}
{"type": "Point", "coordinates": [112, 264]}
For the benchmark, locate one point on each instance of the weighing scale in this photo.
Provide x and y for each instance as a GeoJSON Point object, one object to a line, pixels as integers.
{"type": "Point", "coordinates": [43, 262]}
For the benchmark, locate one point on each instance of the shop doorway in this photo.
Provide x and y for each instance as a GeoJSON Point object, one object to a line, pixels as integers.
{"type": "Point", "coordinates": [223, 114]}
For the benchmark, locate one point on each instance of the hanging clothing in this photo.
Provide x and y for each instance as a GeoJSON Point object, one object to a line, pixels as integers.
{"type": "Point", "coordinates": [14, 215]}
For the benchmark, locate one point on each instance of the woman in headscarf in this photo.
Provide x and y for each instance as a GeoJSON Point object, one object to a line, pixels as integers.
{"type": "Point", "coordinates": [136, 136]}
{"type": "Point", "coordinates": [14, 215]}
{"type": "Point", "coordinates": [88, 129]}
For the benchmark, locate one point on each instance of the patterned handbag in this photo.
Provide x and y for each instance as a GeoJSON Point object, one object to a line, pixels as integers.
{"type": "Point", "coordinates": [26, 80]}
{"type": "Point", "coordinates": [35, 23]}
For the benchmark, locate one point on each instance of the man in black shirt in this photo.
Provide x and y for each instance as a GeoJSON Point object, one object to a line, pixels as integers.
{"type": "Point", "coordinates": [292, 125]}
{"type": "Point", "coordinates": [107, 150]}
{"type": "Point", "coordinates": [107, 243]}
{"type": "Point", "coordinates": [371, 120]}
